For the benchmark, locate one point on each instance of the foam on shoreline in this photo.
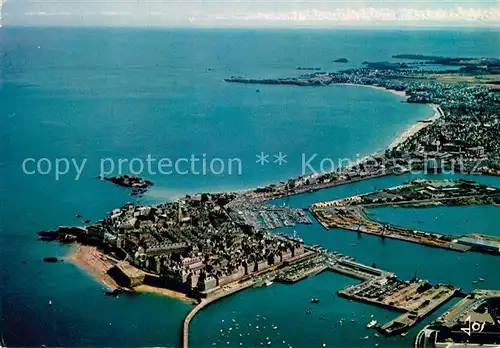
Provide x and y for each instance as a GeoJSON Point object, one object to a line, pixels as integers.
{"type": "Point", "coordinates": [415, 128]}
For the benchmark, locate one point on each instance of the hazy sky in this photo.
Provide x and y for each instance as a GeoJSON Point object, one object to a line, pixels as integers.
{"type": "Point", "coordinates": [253, 13]}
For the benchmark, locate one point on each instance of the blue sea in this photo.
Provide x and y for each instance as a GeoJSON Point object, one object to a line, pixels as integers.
{"type": "Point", "coordinates": [93, 94]}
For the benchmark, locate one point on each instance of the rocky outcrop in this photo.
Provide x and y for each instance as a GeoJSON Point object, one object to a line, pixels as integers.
{"type": "Point", "coordinates": [138, 185]}
{"type": "Point", "coordinates": [48, 235]}
{"type": "Point", "coordinates": [50, 259]}
{"type": "Point", "coordinates": [341, 60]}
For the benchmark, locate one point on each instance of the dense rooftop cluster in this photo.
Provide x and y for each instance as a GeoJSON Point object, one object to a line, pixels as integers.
{"type": "Point", "coordinates": [192, 243]}
{"type": "Point", "coordinates": [469, 128]}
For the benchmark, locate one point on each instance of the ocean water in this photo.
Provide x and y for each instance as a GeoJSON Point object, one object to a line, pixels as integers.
{"type": "Point", "coordinates": [123, 93]}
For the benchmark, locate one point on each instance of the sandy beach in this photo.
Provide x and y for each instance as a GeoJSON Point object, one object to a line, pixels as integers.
{"type": "Point", "coordinates": [94, 262]}
{"type": "Point", "coordinates": [393, 91]}
{"type": "Point", "coordinates": [417, 127]}
{"type": "Point", "coordinates": [97, 264]}
{"type": "Point", "coordinates": [414, 129]}
{"type": "Point", "coordinates": [166, 292]}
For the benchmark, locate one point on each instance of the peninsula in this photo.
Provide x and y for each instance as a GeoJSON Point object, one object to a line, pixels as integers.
{"type": "Point", "coordinates": [208, 246]}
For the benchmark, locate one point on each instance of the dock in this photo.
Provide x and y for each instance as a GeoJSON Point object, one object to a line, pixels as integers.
{"type": "Point", "coordinates": [301, 271]}
{"type": "Point", "coordinates": [223, 292]}
{"type": "Point", "coordinates": [414, 299]}
{"type": "Point", "coordinates": [350, 213]}
{"type": "Point", "coordinates": [470, 322]}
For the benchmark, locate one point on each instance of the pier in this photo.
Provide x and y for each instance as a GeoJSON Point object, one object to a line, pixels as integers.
{"type": "Point", "coordinates": [221, 293]}
{"type": "Point", "coordinates": [414, 299]}
{"type": "Point", "coordinates": [242, 284]}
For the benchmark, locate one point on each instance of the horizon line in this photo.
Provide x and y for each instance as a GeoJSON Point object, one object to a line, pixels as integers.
{"type": "Point", "coordinates": [254, 27]}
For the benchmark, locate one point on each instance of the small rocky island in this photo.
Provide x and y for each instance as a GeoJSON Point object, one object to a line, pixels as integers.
{"type": "Point", "coordinates": [308, 69]}
{"type": "Point", "coordinates": [139, 185]}
{"type": "Point", "coordinates": [341, 60]}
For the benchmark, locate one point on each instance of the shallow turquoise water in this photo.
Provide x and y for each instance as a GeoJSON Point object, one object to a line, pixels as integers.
{"type": "Point", "coordinates": [110, 93]}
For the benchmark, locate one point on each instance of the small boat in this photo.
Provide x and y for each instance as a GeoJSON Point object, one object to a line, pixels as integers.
{"type": "Point", "coordinates": [371, 324]}
{"type": "Point", "coordinates": [268, 283]}
{"type": "Point", "coordinates": [376, 335]}
{"type": "Point", "coordinates": [314, 300]}
{"type": "Point", "coordinates": [474, 282]}
{"type": "Point", "coordinates": [50, 303]}
{"type": "Point", "coordinates": [403, 334]}
{"type": "Point", "coordinates": [480, 279]}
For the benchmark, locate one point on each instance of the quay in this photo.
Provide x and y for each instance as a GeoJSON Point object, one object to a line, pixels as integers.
{"type": "Point", "coordinates": [350, 213]}
{"type": "Point", "coordinates": [238, 286]}
{"type": "Point", "coordinates": [472, 322]}
{"type": "Point", "coordinates": [414, 299]}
